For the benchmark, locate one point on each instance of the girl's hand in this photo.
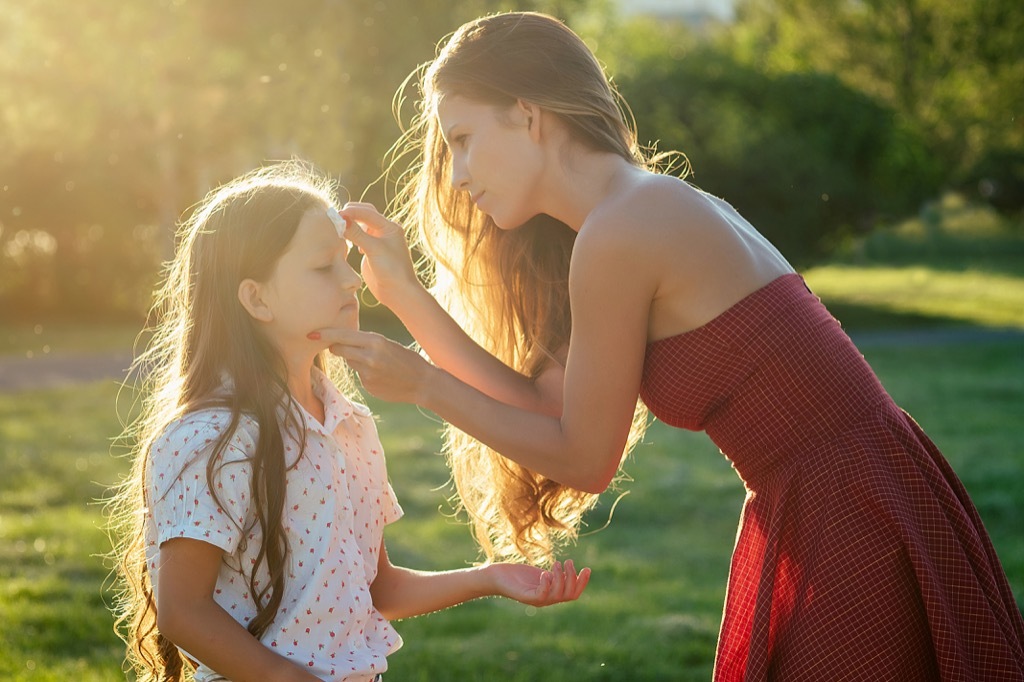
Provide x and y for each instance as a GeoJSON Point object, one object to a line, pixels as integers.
{"type": "Point", "coordinates": [387, 265]}
{"type": "Point", "coordinates": [537, 587]}
{"type": "Point", "coordinates": [388, 370]}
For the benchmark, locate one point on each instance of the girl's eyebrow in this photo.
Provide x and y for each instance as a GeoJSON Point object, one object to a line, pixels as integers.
{"type": "Point", "coordinates": [332, 245]}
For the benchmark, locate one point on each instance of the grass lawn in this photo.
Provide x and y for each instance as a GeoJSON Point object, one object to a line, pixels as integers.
{"type": "Point", "coordinates": [653, 607]}
{"type": "Point", "coordinates": [915, 296]}
{"type": "Point", "coordinates": [956, 264]}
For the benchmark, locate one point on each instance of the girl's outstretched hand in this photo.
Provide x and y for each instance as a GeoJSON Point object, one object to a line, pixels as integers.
{"type": "Point", "coordinates": [387, 265]}
{"type": "Point", "coordinates": [537, 587]}
{"type": "Point", "coordinates": [387, 369]}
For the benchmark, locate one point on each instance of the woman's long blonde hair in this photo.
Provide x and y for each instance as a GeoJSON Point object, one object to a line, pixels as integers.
{"type": "Point", "coordinates": [200, 336]}
{"type": "Point", "coordinates": [508, 288]}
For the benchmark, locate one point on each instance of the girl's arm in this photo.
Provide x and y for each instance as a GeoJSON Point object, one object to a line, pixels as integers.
{"type": "Point", "coordinates": [611, 299]}
{"type": "Point", "coordinates": [403, 593]}
{"type": "Point", "coordinates": [388, 271]}
{"type": "Point", "coordinates": [188, 616]}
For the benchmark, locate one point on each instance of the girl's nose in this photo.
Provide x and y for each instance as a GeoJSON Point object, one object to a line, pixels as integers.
{"type": "Point", "coordinates": [350, 279]}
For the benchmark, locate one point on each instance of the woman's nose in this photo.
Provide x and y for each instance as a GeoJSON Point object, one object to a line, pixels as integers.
{"type": "Point", "coordinates": [460, 178]}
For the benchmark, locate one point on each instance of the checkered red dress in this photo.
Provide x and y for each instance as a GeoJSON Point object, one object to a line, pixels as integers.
{"type": "Point", "coordinates": [859, 554]}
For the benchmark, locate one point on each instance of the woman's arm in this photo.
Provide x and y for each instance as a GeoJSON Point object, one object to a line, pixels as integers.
{"type": "Point", "coordinates": [611, 299]}
{"type": "Point", "coordinates": [388, 272]}
{"type": "Point", "coordinates": [403, 593]}
{"type": "Point", "coordinates": [188, 616]}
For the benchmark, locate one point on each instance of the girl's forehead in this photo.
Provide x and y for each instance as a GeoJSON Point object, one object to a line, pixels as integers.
{"type": "Point", "coordinates": [318, 230]}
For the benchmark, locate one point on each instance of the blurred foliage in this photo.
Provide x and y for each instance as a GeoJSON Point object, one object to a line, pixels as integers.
{"type": "Point", "coordinates": [948, 233]}
{"type": "Point", "coordinates": [117, 117]}
{"type": "Point", "coordinates": [951, 69]}
{"type": "Point", "coordinates": [804, 157]}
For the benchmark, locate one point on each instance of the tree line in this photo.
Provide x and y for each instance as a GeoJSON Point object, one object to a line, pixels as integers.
{"type": "Point", "coordinates": [818, 119]}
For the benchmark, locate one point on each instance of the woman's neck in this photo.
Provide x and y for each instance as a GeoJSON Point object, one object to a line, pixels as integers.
{"type": "Point", "coordinates": [582, 182]}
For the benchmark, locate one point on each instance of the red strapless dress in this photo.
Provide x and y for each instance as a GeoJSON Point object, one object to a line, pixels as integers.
{"type": "Point", "coordinates": [859, 555]}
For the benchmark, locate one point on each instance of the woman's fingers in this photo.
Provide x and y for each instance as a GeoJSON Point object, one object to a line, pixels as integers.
{"type": "Point", "coordinates": [387, 266]}
{"type": "Point", "coordinates": [386, 368]}
{"type": "Point", "coordinates": [343, 337]}
{"type": "Point", "coordinates": [359, 349]}
{"type": "Point", "coordinates": [365, 220]}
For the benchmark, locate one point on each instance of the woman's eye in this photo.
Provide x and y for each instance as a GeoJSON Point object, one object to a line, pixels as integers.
{"type": "Point", "coordinates": [324, 268]}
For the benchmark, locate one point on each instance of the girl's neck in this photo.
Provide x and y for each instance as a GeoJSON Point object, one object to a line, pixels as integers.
{"type": "Point", "coordinates": [300, 386]}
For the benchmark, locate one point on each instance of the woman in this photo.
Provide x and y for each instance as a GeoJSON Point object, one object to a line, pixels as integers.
{"type": "Point", "coordinates": [859, 554]}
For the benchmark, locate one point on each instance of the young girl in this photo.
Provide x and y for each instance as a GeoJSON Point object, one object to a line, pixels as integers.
{"type": "Point", "coordinates": [256, 506]}
{"type": "Point", "coordinates": [859, 554]}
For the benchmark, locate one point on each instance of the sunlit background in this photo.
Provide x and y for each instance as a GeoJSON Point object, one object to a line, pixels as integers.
{"type": "Point", "coordinates": [878, 143]}
{"type": "Point", "coordinates": [818, 119]}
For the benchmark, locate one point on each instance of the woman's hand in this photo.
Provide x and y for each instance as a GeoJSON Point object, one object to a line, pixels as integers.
{"type": "Point", "coordinates": [537, 587]}
{"type": "Point", "coordinates": [388, 370]}
{"type": "Point", "coordinates": [387, 265]}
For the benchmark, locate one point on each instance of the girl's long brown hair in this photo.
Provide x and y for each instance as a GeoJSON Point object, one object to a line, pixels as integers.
{"type": "Point", "coordinates": [508, 288]}
{"type": "Point", "coordinates": [202, 336]}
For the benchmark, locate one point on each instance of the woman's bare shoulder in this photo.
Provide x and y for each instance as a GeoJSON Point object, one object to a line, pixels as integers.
{"type": "Point", "coordinates": [649, 215]}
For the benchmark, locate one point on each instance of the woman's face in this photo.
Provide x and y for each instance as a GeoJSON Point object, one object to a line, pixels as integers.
{"type": "Point", "coordinates": [494, 158]}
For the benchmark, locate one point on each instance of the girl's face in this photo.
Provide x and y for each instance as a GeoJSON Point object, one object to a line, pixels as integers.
{"type": "Point", "coordinates": [312, 286]}
{"type": "Point", "coordinates": [494, 158]}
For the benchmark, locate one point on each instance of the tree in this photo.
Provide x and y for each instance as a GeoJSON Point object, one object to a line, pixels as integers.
{"type": "Point", "coordinates": [806, 158]}
{"type": "Point", "coordinates": [117, 117]}
{"type": "Point", "coordinates": [952, 69]}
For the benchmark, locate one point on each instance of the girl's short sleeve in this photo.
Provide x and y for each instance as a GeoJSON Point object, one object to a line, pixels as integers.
{"type": "Point", "coordinates": [181, 501]}
{"type": "Point", "coordinates": [390, 509]}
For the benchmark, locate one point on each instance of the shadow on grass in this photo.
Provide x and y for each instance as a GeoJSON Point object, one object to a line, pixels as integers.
{"type": "Point", "coordinates": [858, 317]}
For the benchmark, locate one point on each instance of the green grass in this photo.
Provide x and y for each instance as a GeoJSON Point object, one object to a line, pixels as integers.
{"type": "Point", "coordinates": [957, 264]}
{"type": "Point", "coordinates": [887, 296]}
{"type": "Point", "coordinates": [654, 604]}
{"type": "Point", "coordinates": [54, 454]}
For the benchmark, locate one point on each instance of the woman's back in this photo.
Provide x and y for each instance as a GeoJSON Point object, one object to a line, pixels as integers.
{"type": "Point", "coordinates": [703, 255]}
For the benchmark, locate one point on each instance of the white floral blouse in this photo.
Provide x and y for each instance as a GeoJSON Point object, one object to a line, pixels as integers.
{"type": "Point", "coordinates": [338, 500]}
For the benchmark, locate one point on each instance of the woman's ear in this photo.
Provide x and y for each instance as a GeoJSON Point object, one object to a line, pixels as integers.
{"type": "Point", "coordinates": [531, 116]}
{"type": "Point", "coordinates": [250, 295]}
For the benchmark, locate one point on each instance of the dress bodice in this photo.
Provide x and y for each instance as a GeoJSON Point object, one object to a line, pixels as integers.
{"type": "Point", "coordinates": [772, 374]}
